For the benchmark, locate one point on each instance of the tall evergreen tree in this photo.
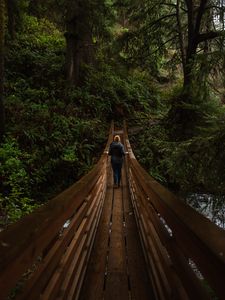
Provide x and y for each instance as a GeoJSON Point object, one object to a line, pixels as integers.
{"type": "Point", "coordinates": [156, 27]}
{"type": "Point", "coordinates": [73, 35]}
{"type": "Point", "coordinates": [188, 30]}
{"type": "Point", "coordinates": [86, 22]}
{"type": "Point", "coordinates": [15, 12]}
{"type": "Point", "coordinates": [198, 34]}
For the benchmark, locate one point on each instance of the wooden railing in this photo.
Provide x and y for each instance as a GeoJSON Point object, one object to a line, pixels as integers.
{"type": "Point", "coordinates": [184, 251]}
{"type": "Point", "coordinates": [45, 254]}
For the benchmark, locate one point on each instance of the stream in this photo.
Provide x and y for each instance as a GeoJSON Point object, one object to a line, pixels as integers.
{"type": "Point", "coordinates": [211, 206]}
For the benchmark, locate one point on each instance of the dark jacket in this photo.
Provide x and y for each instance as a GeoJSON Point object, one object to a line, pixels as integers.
{"type": "Point", "coordinates": [116, 150]}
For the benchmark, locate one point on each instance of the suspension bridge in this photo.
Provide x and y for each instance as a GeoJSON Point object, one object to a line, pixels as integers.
{"type": "Point", "coordinates": [94, 241]}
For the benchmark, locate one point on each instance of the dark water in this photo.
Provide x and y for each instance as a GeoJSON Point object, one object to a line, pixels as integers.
{"type": "Point", "coordinates": [211, 206]}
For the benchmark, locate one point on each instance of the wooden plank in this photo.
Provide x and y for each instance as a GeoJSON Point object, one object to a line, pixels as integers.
{"type": "Point", "coordinates": [62, 274]}
{"type": "Point", "coordinates": [140, 284]}
{"type": "Point", "coordinates": [155, 249]}
{"type": "Point", "coordinates": [180, 277]}
{"type": "Point", "coordinates": [116, 286]}
{"type": "Point", "coordinates": [91, 230]}
{"type": "Point", "coordinates": [165, 263]}
{"type": "Point", "coordinates": [54, 284]}
{"type": "Point", "coordinates": [47, 266]}
{"type": "Point", "coordinates": [154, 244]}
{"type": "Point", "coordinates": [73, 271]}
{"type": "Point", "coordinates": [79, 271]}
{"type": "Point", "coordinates": [33, 234]}
{"type": "Point", "coordinates": [95, 276]}
{"type": "Point", "coordinates": [149, 261]}
{"type": "Point", "coordinates": [190, 282]}
{"type": "Point", "coordinates": [117, 279]}
{"type": "Point", "coordinates": [72, 288]}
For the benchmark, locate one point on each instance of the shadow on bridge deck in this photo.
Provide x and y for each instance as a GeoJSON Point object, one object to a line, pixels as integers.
{"type": "Point", "coordinates": [117, 268]}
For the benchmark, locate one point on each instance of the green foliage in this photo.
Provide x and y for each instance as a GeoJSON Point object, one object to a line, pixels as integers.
{"type": "Point", "coordinates": [146, 42]}
{"type": "Point", "coordinates": [189, 111]}
{"type": "Point", "coordinates": [57, 149]}
{"type": "Point", "coordinates": [194, 165]}
{"type": "Point", "coordinates": [50, 143]}
{"type": "Point", "coordinates": [58, 133]}
{"type": "Point", "coordinates": [37, 54]}
{"type": "Point", "coordinates": [15, 190]}
{"type": "Point", "coordinates": [55, 134]}
{"type": "Point", "coordinates": [47, 131]}
{"type": "Point", "coordinates": [120, 96]}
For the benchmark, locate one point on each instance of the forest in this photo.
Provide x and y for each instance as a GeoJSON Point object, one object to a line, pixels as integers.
{"type": "Point", "coordinates": [68, 67]}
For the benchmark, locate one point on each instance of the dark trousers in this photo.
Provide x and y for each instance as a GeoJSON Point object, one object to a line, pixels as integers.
{"type": "Point", "coordinates": [116, 172]}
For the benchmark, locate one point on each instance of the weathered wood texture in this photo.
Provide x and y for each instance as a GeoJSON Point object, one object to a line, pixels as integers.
{"type": "Point", "coordinates": [45, 254]}
{"type": "Point", "coordinates": [117, 268]}
{"type": "Point", "coordinates": [95, 277]}
{"type": "Point", "coordinates": [176, 239]}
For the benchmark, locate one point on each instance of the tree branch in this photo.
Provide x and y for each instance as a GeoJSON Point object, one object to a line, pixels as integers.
{"type": "Point", "coordinates": [209, 35]}
{"type": "Point", "coordinates": [168, 4]}
{"type": "Point", "coordinates": [146, 55]}
{"type": "Point", "coordinates": [189, 5]}
{"type": "Point", "coordinates": [201, 11]}
{"type": "Point", "coordinates": [161, 3]}
{"type": "Point", "coordinates": [163, 44]}
{"type": "Point", "coordinates": [221, 8]}
{"type": "Point", "coordinates": [160, 19]}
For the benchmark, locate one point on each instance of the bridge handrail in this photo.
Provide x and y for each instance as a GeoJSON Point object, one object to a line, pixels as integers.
{"type": "Point", "coordinates": [34, 241]}
{"type": "Point", "coordinates": [176, 239]}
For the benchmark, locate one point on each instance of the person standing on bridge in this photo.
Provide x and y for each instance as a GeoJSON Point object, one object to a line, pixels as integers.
{"type": "Point", "coordinates": [116, 151]}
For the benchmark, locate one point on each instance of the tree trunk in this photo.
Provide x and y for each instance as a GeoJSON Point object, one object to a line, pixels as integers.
{"type": "Point", "coordinates": [72, 59]}
{"type": "Point", "coordinates": [11, 4]}
{"type": "Point", "coordinates": [2, 39]}
{"type": "Point", "coordinates": [78, 35]}
{"type": "Point", "coordinates": [72, 42]}
{"type": "Point", "coordinates": [196, 10]}
{"type": "Point", "coordinates": [190, 51]}
{"type": "Point", "coordinates": [180, 33]}
{"type": "Point", "coordinates": [185, 119]}
{"type": "Point", "coordinates": [189, 64]}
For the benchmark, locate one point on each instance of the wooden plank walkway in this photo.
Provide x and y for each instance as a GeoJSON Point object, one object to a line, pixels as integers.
{"type": "Point", "coordinates": [117, 270]}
